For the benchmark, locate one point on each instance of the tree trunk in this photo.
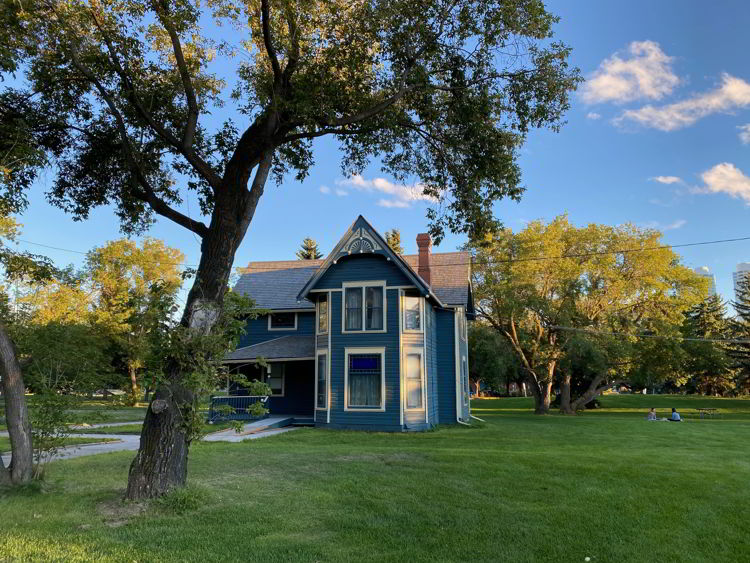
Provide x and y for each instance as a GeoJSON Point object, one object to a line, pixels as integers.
{"type": "Point", "coordinates": [565, 406]}
{"type": "Point", "coordinates": [17, 416]}
{"type": "Point", "coordinates": [523, 388]}
{"type": "Point", "coordinates": [541, 391]}
{"type": "Point", "coordinates": [133, 381]}
{"type": "Point", "coordinates": [161, 462]}
{"type": "Point", "coordinates": [590, 394]}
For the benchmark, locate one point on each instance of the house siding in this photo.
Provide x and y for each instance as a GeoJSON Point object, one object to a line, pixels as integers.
{"type": "Point", "coordinates": [256, 330]}
{"type": "Point", "coordinates": [388, 420]}
{"type": "Point", "coordinates": [361, 267]}
{"type": "Point", "coordinates": [433, 371]}
{"type": "Point", "coordinates": [446, 366]}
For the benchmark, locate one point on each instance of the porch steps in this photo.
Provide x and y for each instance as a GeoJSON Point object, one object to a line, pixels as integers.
{"type": "Point", "coordinates": [303, 421]}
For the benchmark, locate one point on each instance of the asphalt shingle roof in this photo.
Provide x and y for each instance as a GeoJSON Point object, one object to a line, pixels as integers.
{"type": "Point", "coordinates": [275, 285]}
{"type": "Point", "coordinates": [293, 346]}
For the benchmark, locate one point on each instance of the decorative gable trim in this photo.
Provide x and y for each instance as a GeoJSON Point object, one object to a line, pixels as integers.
{"type": "Point", "coordinates": [362, 238]}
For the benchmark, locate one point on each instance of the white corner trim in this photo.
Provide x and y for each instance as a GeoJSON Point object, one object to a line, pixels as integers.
{"type": "Point", "coordinates": [457, 367]}
{"type": "Point", "coordinates": [402, 386]}
{"type": "Point", "coordinates": [353, 350]}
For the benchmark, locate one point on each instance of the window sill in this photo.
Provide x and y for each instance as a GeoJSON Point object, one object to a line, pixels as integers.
{"type": "Point", "coordinates": [364, 409]}
{"type": "Point", "coordinates": [366, 331]}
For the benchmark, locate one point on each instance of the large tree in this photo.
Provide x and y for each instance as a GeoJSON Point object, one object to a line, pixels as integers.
{"type": "Point", "coordinates": [441, 92]}
{"type": "Point", "coordinates": [16, 265]}
{"type": "Point", "coordinates": [551, 284]}
{"type": "Point", "coordinates": [739, 350]}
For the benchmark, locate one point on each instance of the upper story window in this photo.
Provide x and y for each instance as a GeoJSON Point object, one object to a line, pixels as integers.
{"type": "Point", "coordinates": [364, 307]}
{"type": "Point", "coordinates": [323, 314]}
{"type": "Point", "coordinates": [413, 313]}
{"type": "Point", "coordinates": [282, 321]}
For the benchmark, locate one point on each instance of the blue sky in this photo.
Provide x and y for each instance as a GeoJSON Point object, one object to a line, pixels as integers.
{"type": "Point", "coordinates": [654, 137]}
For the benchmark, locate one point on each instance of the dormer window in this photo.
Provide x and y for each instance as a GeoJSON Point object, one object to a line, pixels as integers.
{"type": "Point", "coordinates": [364, 307]}
{"type": "Point", "coordinates": [282, 321]}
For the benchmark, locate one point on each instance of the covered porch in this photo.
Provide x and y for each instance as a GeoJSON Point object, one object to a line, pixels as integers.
{"type": "Point", "coordinates": [290, 372]}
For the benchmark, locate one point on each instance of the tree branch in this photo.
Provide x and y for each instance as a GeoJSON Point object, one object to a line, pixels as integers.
{"type": "Point", "coordinates": [192, 102]}
{"type": "Point", "coordinates": [267, 40]}
{"type": "Point", "coordinates": [200, 165]}
{"type": "Point", "coordinates": [148, 195]}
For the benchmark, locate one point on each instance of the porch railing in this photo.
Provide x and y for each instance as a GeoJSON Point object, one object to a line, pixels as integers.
{"type": "Point", "coordinates": [235, 407]}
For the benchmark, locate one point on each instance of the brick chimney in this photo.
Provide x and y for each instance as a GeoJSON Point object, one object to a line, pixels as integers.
{"type": "Point", "coordinates": [424, 242]}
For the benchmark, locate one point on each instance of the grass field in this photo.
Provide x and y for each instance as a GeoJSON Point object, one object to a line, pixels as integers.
{"type": "Point", "coordinates": [91, 412]}
{"type": "Point", "coordinates": [136, 429]}
{"type": "Point", "coordinates": [606, 485]}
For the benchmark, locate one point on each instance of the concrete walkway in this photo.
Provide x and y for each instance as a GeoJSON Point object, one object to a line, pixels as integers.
{"type": "Point", "coordinates": [130, 442]}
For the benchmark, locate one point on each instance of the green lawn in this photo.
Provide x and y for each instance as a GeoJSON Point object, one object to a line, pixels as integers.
{"type": "Point", "coordinates": [69, 441]}
{"type": "Point", "coordinates": [606, 485]}
{"type": "Point", "coordinates": [91, 412]}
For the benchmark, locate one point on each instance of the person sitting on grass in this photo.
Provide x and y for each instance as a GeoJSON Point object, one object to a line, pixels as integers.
{"type": "Point", "coordinates": [675, 416]}
{"type": "Point", "coordinates": [651, 414]}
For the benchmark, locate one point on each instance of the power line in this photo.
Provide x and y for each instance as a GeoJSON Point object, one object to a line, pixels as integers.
{"type": "Point", "coordinates": [644, 335]}
{"type": "Point", "coordinates": [260, 266]}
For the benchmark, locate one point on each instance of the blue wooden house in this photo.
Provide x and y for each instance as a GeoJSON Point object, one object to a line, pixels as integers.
{"type": "Point", "coordinates": [365, 339]}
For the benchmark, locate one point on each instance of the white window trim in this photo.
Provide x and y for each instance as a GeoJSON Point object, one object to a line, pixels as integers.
{"type": "Point", "coordinates": [363, 285]}
{"type": "Point", "coordinates": [287, 329]}
{"type": "Point", "coordinates": [420, 330]}
{"type": "Point", "coordinates": [266, 373]}
{"type": "Point", "coordinates": [328, 375]}
{"type": "Point", "coordinates": [420, 353]}
{"type": "Point", "coordinates": [356, 351]}
{"type": "Point", "coordinates": [465, 382]}
{"type": "Point", "coordinates": [317, 317]}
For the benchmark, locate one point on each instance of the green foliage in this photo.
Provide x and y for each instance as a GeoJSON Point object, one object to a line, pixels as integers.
{"type": "Point", "coordinates": [543, 307]}
{"type": "Point", "coordinates": [708, 363]}
{"type": "Point", "coordinates": [439, 90]}
{"type": "Point", "coordinates": [393, 238]}
{"type": "Point", "coordinates": [740, 330]}
{"type": "Point", "coordinates": [48, 427]}
{"type": "Point", "coordinates": [257, 409]}
{"type": "Point", "coordinates": [491, 359]}
{"type": "Point", "coordinates": [309, 250]}
{"type": "Point", "coordinates": [64, 357]}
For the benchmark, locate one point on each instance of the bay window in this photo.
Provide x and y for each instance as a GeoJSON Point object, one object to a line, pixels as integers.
{"type": "Point", "coordinates": [413, 313]}
{"type": "Point", "coordinates": [323, 314]}
{"type": "Point", "coordinates": [414, 380]}
{"type": "Point", "coordinates": [321, 399]}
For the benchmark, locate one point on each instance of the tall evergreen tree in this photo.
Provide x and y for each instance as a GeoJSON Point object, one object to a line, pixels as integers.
{"type": "Point", "coordinates": [393, 238]}
{"type": "Point", "coordinates": [309, 250]}
{"type": "Point", "coordinates": [708, 363]}
{"type": "Point", "coordinates": [740, 352]}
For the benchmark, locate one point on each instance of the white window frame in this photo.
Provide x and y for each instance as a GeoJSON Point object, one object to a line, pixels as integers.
{"type": "Point", "coordinates": [319, 353]}
{"type": "Point", "coordinates": [286, 328]}
{"type": "Point", "coordinates": [266, 374]}
{"type": "Point", "coordinates": [328, 316]}
{"type": "Point", "coordinates": [420, 352]}
{"type": "Point", "coordinates": [465, 380]}
{"type": "Point", "coordinates": [354, 352]}
{"type": "Point", "coordinates": [363, 285]}
{"type": "Point", "coordinates": [420, 330]}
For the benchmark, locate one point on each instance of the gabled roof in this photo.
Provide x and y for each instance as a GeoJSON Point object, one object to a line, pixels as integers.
{"type": "Point", "coordinates": [278, 285]}
{"type": "Point", "coordinates": [361, 237]}
{"type": "Point", "coordinates": [293, 347]}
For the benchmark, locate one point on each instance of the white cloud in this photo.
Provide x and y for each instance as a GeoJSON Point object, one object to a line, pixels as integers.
{"type": "Point", "coordinates": [593, 115]}
{"type": "Point", "coordinates": [726, 178]}
{"type": "Point", "coordinates": [393, 203]}
{"type": "Point", "coordinates": [744, 133]}
{"type": "Point", "coordinates": [667, 179]}
{"type": "Point", "coordinates": [325, 190]}
{"type": "Point", "coordinates": [645, 72]}
{"type": "Point", "coordinates": [400, 195]}
{"type": "Point", "coordinates": [733, 93]}
{"type": "Point", "coordinates": [341, 193]}
{"type": "Point", "coordinates": [666, 227]}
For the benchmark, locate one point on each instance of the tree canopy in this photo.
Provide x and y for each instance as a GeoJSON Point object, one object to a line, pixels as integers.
{"type": "Point", "coordinates": [554, 289]}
